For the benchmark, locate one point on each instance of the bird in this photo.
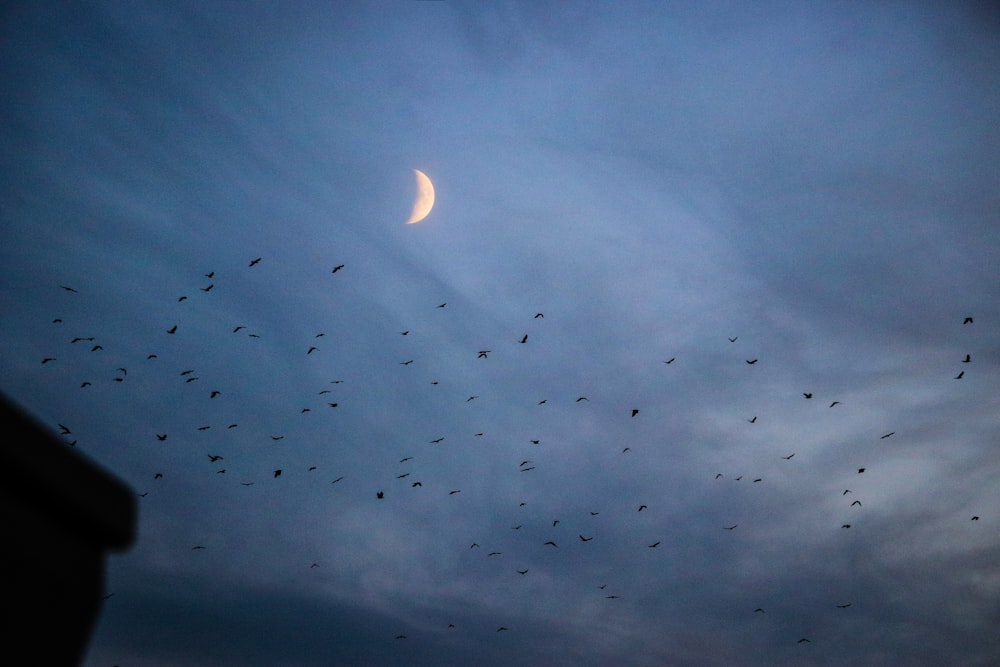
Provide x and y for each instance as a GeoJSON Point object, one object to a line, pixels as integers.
{"type": "Point", "coordinates": [380, 495]}
{"type": "Point", "coordinates": [524, 339]}
{"type": "Point", "coordinates": [642, 507]}
{"type": "Point", "coordinates": [751, 361]}
{"type": "Point", "coordinates": [975, 518]}
{"type": "Point", "coordinates": [206, 289]}
{"type": "Point", "coordinates": [405, 474]}
{"type": "Point", "coordinates": [197, 547]}
{"type": "Point", "coordinates": [959, 376]}
{"type": "Point", "coordinates": [758, 609]}
{"type": "Point", "coordinates": [162, 437]}
{"type": "Point", "coordinates": [759, 479]}
{"type": "Point", "coordinates": [967, 320]}
{"type": "Point", "coordinates": [89, 339]}
{"type": "Point", "coordinates": [451, 493]}
{"type": "Point", "coordinates": [473, 545]}
{"type": "Point", "coordinates": [718, 475]}
{"type": "Point", "coordinates": [96, 348]}
{"type": "Point", "coordinates": [732, 527]}
{"type": "Point", "coordinates": [517, 527]}
{"type": "Point", "coordinates": [856, 502]}
{"type": "Point", "coordinates": [550, 542]}
{"type": "Point", "coordinates": [535, 442]}
{"type": "Point", "coordinates": [495, 553]}
{"type": "Point", "coordinates": [277, 437]}
{"type": "Point", "coordinates": [214, 457]}
{"type": "Point", "coordinates": [967, 359]}
{"type": "Point", "coordinates": [835, 403]}
{"type": "Point", "coordinates": [653, 545]}
{"type": "Point", "coordinates": [405, 333]}
{"type": "Point", "coordinates": [158, 475]}
{"type": "Point", "coordinates": [537, 315]}
{"type": "Point", "coordinates": [582, 398]}
{"type": "Point", "coordinates": [400, 636]}
{"type": "Point", "coordinates": [63, 430]}
{"type": "Point", "coordinates": [406, 363]}
{"type": "Point", "coordinates": [214, 394]}
{"type": "Point", "coordinates": [754, 420]}
{"type": "Point", "coordinates": [846, 525]}
{"type": "Point", "coordinates": [311, 350]}
{"type": "Point", "coordinates": [405, 459]}
{"type": "Point", "coordinates": [612, 597]}
{"type": "Point", "coordinates": [181, 298]}
{"type": "Point", "coordinates": [585, 539]}
{"type": "Point", "coordinates": [172, 330]}
{"type": "Point", "coordinates": [436, 441]}
{"type": "Point", "coordinates": [527, 469]}
{"type": "Point", "coordinates": [789, 457]}
{"type": "Point", "coordinates": [807, 394]}
{"type": "Point", "coordinates": [670, 360]}
{"type": "Point", "coordinates": [804, 641]}
{"type": "Point", "coordinates": [337, 268]}
{"type": "Point", "coordinates": [470, 398]}
{"type": "Point", "coordinates": [555, 522]}
{"type": "Point", "coordinates": [843, 606]}
{"type": "Point", "coordinates": [68, 289]}
{"type": "Point", "coordinates": [543, 401]}
{"type": "Point", "coordinates": [238, 328]}
{"type": "Point", "coordinates": [483, 354]}
{"type": "Point", "coordinates": [733, 340]}
{"type": "Point", "coordinates": [846, 491]}
{"type": "Point", "coordinates": [501, 629]}
{"type": "Point", "coordinates": [337, 480]}
{"type": "Point", "coordinates": [48, 359]}
{"type": "Point", "coordinates": [522, 572]}
{"type": "Point", "coordinates": [634, 412]}
{"type": "Point", "coordinates": [594, 513]}
{"type": "Point", "coordinates": [277, 473]}
{"type": "Point", "coordinates": [860, 470]}
{"type": "Point", "coordinates": [255, 262]}
{"type": "Point", "coordinates": [887, 435]}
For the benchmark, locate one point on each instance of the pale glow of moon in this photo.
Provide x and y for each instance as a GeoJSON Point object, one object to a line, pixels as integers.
{"type": "Point", "coordinates": [425, 198]}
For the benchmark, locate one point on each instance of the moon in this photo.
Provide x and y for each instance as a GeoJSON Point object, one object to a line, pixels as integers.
{"type": "Point", "coordinates": [424, 202]}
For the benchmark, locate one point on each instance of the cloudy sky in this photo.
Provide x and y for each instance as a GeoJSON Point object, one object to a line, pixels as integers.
{"type": "Point", "coordinates": [809, 187]}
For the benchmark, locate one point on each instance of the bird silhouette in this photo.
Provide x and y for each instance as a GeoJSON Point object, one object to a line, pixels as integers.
{"type": "Point", "coordinates": [732, 527]}
{"type": "Point", "coordinates": [733, 340]}
{"type": "Point", "coordinates": [887, 435]}
{"type": "Point", "coordinates": [406, 363]}
{"type": "Point", "coordinates": [442, 305]}
{"type": "Point", "coordinates": [160, 437]}
{"type": "Point", "coordinates": [759, 479]}
{"type": "Point", "coordinates": [967, 359]}
{"type": "Point", "coordinates": [48, 359]}
{"type": "Point", "coordinates": [754, 420]}
{"type": "Point", "coordinates": [718, 475]}
{"type": "Point", "coordinates": [524, 339]}
{"type": "Point", "coordinates": [337, 268]}
{"type": "Point", "coordinates": [501, 629]}
{"type": "Point", "coordinates": [277, 473]}
{"type": "Point", "coordinates": [653, 545]}
{"type": "Point", "coordinates": [835, 403]}
{"type": "Point", "coordinates": [537, 315]}
{"type": "Point", "coordinates": [380, 495]}
{"type": "Point", "coordinates": [758, 609]}
{"type": "Point", "coordinates": [585, 539]}
{"type": "Point", "coordinates": [337, 480]}
{"type": "Point", "coordinates": [807, 394]}
{"type": "Point", "coordinates": [670, 360]}
{"type": "Point", "coordinates": [804, 641]}
{"type": "Point", "coordinates": [550, 542]}
{"type": "Point", "coordinates": [975, 518]}
{"type": "Point", "coordinates": [214, 457]}
{"type": "Point", "coordinates": [522, 572]}
{"type": "Point", "coordinates": [311, 350]}
{"type": "Point", "coordinates": [642, 507]}
{"type": "Point", "coordinates": [751, 361]}
{"type": "Point", "coordinates": [68, 288]}
{"type": "Point", "coordinates": [634, 412]}
{"type": "Point", "coordinates": [172, 329]}
{"type": "Point", "coordinates": [451, 493]}
{"type": "Point", "coordinates": [843, 606]}
{"type": "Point", "coordinates": [960, 375]}
{"type": "Point", "coordinates": [789, 457]}
{"type": "Point", "coordinates": [207, 289]}
{"type": "Point", "coordinates": [483, 354]}
{"type": "Point", "coordinates": [846, 525]}
{"type": "Point", "coordinates": [582, 398]}
{"type": "Point", "coordinates": [967, 320]}
{"type": "Point", "coordinates": [856, 502]}
{"type": "Point", "coordinates": [861, 470]}
{"type": "Point", "coordinates": [255, 262]}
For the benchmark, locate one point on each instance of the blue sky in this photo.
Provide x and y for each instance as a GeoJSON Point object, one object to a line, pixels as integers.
{"type": "Point", "coordinates": [817, 182]}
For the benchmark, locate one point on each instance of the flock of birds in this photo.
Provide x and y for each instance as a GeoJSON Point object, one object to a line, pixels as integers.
{"type": "Point", "coordinates": [227, 462]}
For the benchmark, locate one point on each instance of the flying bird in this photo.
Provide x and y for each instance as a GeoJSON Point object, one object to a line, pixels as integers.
{"type": "Point", "coordinates": [670, 360]}
{"type": "Point", "coordinates": [759, 479]}
{"type": "Point", "coordinates": [582, 398]}
{"type": "Point", "coordinates": [642, 507]}
{"type": "Point", "coordinates": [758, 609]}
{"type": "Point", "coordinates": [975, 518]}
{"type": "Point", "coordinates": [552, 543]}
{"type": "Point", "coordinates": [522, 572]}
{"type": "Point", "coordinates": [70, 289]}
{"type": "Point", "coordinates": [754, 420]}
{"type": "Point", "coordinates": [255, 262]}
{"type": "Point", "coordinates": [85, 383]}
{"type": "Point", "coordinates": [406, 363]}
{"type": "Point", "coordinates": [846, 525]}
{"type": "Point", "coordinates": [380, 495]}
{"type": "Point", "coordinates": [751, 361]}
{"type": "Point", "coordinates": [537, 315]}
{"type": "Point", "coordinates": [718, 475]}
{"type": "Point", "coordinates": [653, 545]}
{"type": "Point", "coordinates": [634, 412]}
{"type": "Point", "coordinates": [206, 289]}
{"type": "Point", "coordinates": [48, 359]}
{"type": "Point", "coordinates": [733, 340]}
{"type": "Point", "coordinates": [843, 606]}
{"type": "Point", "coordinates": [856, 502]}
{"type": "Point", "coordinates": [887, 435]}
{"type": "Point", "coordinates": [442, 305]}
{"type": "Point", "coordinates": [967, 320]}
{"type": "Point", "coordinates": [732, 527]}
{"type": "Point", "coordinates": [337, 480]}
{"type": "Point", "coordinates": [311, 350]}
{"type": "Point", "coordinates": [959, 376]}
{"type": "Point", "coordinates": [835, 403]}
{"type": "Point", "coordinates": [451, 493]}
{"type": "Point", "coordinates": [483, 354]}
{"type": "Point", "coordinates": [337, 268]}
{"type": "Point", "coordinates": [804, 641]}
{"type": "Point", "coordinates": [585, 539]}
{"type": "Point", "coordinates": [524, 339]}
{"type": "Point", "coordinates": [807, 394]}
{"type": "Point", "coordinates": [172, 329]}
{"type": "Point", "coordinates": [967, 359]}
{"type": "Point", "coordinates": [860, 470]}
{"type": "Point", "coordinates": [63, 430]}
{"type": "Point", "coordinates": [789, 457]}
{"type": "Point", "coordinates": [160, 437]}
{"type": "Point", "coordinates": [277, 473]}
{"type": "Point", "coordinates": [214, 457]}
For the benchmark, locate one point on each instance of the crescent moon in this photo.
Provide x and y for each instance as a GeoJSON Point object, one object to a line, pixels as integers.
{"type": "Point", "coordinates": [425, 198]}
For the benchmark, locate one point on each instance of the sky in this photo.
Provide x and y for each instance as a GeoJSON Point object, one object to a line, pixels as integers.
{"type": "Point", "coordinates": [691, 268]}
